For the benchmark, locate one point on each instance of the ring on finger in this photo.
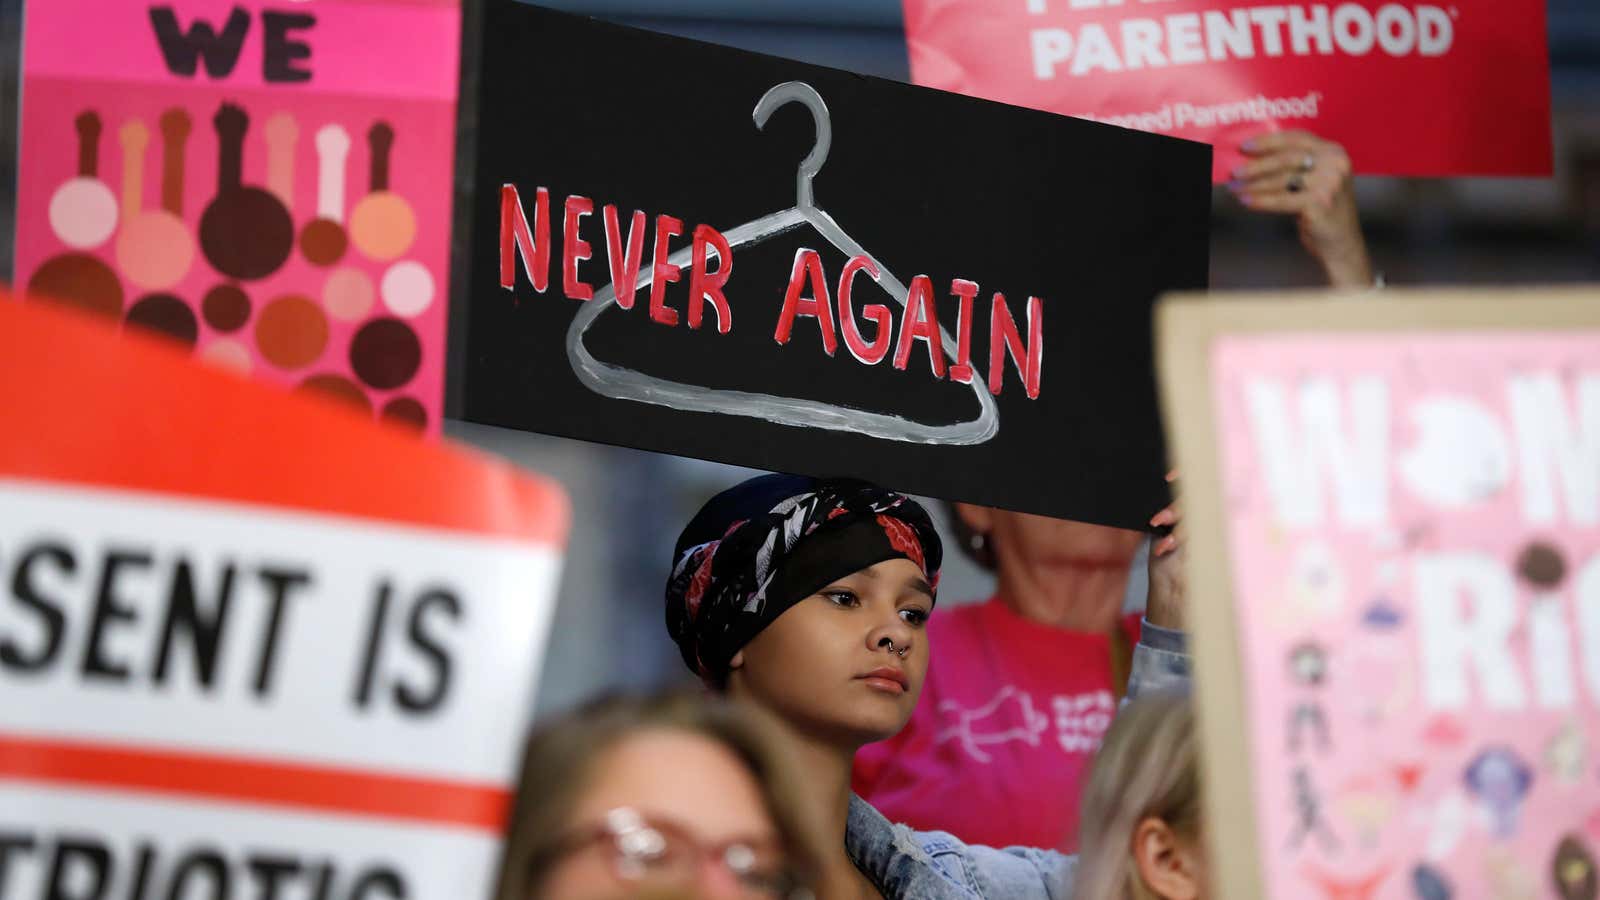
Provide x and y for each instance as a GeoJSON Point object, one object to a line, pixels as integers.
{"type": "Point", "coordinates": [1309, 162]}
{"type": "Point", "coordinates": [1296, 184]}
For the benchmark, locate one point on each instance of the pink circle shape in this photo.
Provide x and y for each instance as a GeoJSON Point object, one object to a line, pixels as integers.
{"type": "Point", "coordinates": [348, 294]}
{"type": "Point", "coordinates": [229, 354]}
{"type": "Point", "coordinates": [407, 288]}
{"type": "Point", "coordinates": [155, 250]}
{"type": "Point", "coordinates": [83, 213]}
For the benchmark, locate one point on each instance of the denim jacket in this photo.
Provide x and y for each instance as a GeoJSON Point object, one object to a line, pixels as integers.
{"type": "Point", "coordinates": [929, 865]}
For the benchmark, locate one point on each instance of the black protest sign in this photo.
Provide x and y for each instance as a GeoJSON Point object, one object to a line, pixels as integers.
{"type": "Point", "coordinates": [821, 273]}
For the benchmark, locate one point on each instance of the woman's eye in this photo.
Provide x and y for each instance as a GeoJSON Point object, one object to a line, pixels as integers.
{"type": "Point", "coordinates": [915, 617]}
{"type": "Point", "coordinates": [842, 598]}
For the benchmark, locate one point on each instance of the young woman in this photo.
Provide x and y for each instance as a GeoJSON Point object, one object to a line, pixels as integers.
{"type": "Point", "coordinates": [1144, 796]}
{"type": "Point", "coordinates": [677, 795]}
{"type": "Point", "coordinates": [809, 599]}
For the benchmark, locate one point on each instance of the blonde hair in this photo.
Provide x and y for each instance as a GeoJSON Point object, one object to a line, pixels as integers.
{"type": "Point", "coordinates": [1147, 767]}
{"type": "Point", "coordinates": [557, 768]}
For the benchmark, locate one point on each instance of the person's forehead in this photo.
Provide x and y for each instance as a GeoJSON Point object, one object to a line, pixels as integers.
{"type": "Point", "coordinates": [668, 774]}
{"type": "Point", "coordinates": [898, 574]}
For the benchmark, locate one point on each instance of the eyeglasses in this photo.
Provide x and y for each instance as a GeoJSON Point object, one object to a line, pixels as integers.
{"type": "Point", "coordinates": [653, 852]}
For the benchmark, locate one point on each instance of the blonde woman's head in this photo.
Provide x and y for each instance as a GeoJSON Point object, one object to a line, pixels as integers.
{"type": "Point", "coordinates": [669, 795]}
{"type": "Point", "coordinates": [1141, 810]}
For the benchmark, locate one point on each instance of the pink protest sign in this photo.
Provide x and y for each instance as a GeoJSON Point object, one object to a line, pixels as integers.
{"type": "Point", "coordinates": [267, 182]}
{"type": "Point", "coordinates": [1395, 507]}
{"type": "Point", "coordinates": [1456, 88]}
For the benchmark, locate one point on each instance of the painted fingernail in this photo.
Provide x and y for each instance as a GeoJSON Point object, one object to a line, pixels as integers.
{"type": "Point", "coordinates": [1237, 174]}
{"type": "Point", "coordinates": [1248, 145]}
{"type": "Point", "coordinates": [1235, 185]}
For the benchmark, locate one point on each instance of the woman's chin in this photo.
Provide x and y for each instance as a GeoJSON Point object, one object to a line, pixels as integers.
{"type": "Point", "coordinates": [856, 717]}
{"type": "Point", "coordinates": [879, 722]}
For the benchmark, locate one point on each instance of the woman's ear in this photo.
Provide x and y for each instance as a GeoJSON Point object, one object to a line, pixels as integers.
{"type": "Point", "coordinates": [1168, 866]}
{"type": "Point", "coordinates": [978, 518]}
{"type": "Point", "coordinates": [733, 682]}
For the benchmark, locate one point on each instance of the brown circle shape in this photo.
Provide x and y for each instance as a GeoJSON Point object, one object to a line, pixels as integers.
{"type": "Point", "coordinates": [1541, 565]}
{"type": "Point", "coordinates": [339, 388]}
{"type": "Point", "coordinates": [226, 308]}
{"type": "Point", "coordinates": [166, 315]}
{"type": "Point", "coordinates": [406, 411]}
{"type": "Point", "coordinates": [246, 233]}
{"type": "Point", "coordinates": [323, 242]}
{"type": "Point", "coordinates": [79, 281]}
{"type": "Point", "coordinates": [291, 332]}
{"type": "Point", "coordinates": [385, 353]}
{"type": "Point", "coordinates": [1574, 870]}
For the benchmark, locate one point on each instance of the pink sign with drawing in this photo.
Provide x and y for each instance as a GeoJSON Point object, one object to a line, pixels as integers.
{"type": "Point", "coordinates": [268, 183]}
{"type": "Point", "coordinates": [1413, 531]}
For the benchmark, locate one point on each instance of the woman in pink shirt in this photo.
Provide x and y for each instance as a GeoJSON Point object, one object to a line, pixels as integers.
{"type": "Point", "coordinates": [1025, 684]}
{"type": "Point", "coordinates": [1021, 689]}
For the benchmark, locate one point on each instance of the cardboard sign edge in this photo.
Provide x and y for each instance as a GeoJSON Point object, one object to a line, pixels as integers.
{"type": "Point", "coordinates": [1187, 325]}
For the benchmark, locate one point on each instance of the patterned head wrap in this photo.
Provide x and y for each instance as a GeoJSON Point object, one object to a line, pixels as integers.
{"type": "Point", "coordinates": [762, 546]}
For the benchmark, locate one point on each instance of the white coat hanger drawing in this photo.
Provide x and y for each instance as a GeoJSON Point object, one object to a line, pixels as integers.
{"type": "Point", "coordinates": [629, 384]}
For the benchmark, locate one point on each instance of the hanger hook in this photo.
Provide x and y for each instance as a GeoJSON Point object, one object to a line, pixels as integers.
{"type": "Point", "coordinates": [806, 95]}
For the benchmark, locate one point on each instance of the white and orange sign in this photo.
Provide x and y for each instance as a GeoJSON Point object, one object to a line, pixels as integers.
{"type": "Point", "coordinates": [249, 644]}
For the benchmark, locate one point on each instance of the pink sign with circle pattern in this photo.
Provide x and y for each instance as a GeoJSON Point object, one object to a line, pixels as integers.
{"type": "Point", "coordinates": [268, 183]}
